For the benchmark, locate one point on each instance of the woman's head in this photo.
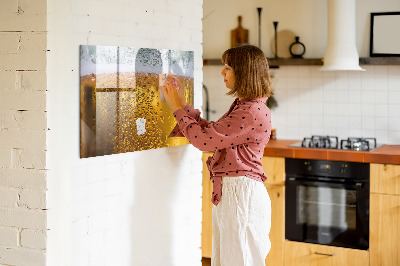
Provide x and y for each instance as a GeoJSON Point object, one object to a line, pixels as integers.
{"type": "Point", "coordinates": [251, 72]}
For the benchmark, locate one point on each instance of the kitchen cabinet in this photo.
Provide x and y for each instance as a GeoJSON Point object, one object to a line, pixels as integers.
{"type": "Point", "coordinates": [274, 168]}
{"type": "Point", "coordinates": [206, 225]}
{"type": "Point", "coordinates": [385, 230]}
{"type": "Point", "coordinates": [277, 233]}
{"type": "Point", "coordinates": [385, 215]}
{"type": "Point", "coordinates": [384, 221]}
{"type": "Point", "coordinates": [385, 178]}
{"type": "Point", "coordinates": [305, 254]}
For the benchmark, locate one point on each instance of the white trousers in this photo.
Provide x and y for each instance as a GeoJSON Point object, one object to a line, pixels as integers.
{"type": "Point", "coordinates": [241, 223]}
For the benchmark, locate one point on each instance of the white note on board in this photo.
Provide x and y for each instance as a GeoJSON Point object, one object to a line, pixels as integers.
{"type": "Point", "coordinates": [141, 126]}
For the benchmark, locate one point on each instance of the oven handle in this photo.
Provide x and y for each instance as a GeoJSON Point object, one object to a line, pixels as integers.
{"type": "Point", "coordinates": [357, 185]}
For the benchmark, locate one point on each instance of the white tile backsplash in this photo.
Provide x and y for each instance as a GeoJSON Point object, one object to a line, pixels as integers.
{"type": "Point", "coordinates": [394, 123]}
{"type": "Point", "coordinates": [394, 137]}
{"type": "Point", "coordinates": [367, 110]}
{"type": "Point", "coordinates": [342, 96]}
{"type": "Point", "coordinates": [304, 82]}
{"type": "Point", "coordinates": [342, 109]}
{"type": "Point", "coordinates": [367, 96]}
{"type": "Point", "coordinates": [351, 103]}
{"type": "Point", "coordinates": [381, 84]}
{"type": "Point", "coordinates": [382, 136]}
{"type": "Point", "coordinates": [355, 96]}
{"type": "Point", "coordinates": [380, 71]}
{"type": "Point", "coordinates": [367, 123]}
{"type": "Point", "coordinates": [291, 71]}
{"type": "Point", "coordinates": [304, 72]}
{"type": "Point", "coordinates": [394, 83]}
{"type": "Point", "coordinates": [329, 109]}
{"type": "Point", "coordinates": [342, 123]}
{"type": "Point", "coordinates": [381, 110]}
{"type": "Point", "coordinates": [381, 96]}
{"type": "Point", "coordinates": [394, 97]}
{"type": "Point", "coordinates": [292, 82]}
{"type": "Point", "coordinates": [393, 71]}
{"type": "Point", "coordinates": [343, 103]}
{"type": "Point", "coordinates": [394, 110]}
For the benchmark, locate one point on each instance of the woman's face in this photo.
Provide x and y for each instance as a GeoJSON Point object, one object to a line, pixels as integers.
{"type": "Point", "coordinates": [229, 76]}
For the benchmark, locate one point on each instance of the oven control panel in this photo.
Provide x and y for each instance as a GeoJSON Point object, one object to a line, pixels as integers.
{"type": "Point", "coordinates": [338, 169]}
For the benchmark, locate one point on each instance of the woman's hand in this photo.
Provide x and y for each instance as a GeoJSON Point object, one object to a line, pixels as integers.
{"type": "Point", "coordinates": [174, 93]}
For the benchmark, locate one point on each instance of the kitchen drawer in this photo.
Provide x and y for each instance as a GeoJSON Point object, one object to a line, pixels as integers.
{"type": "Point", "coordinates": [305, 254]}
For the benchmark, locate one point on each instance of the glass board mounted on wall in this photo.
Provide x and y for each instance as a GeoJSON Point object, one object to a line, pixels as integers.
{"type": "Point", "coordinates": [122, 108]}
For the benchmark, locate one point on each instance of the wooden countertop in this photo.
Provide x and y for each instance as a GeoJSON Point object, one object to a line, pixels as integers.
{"type": "Point", "coordinates": [389, 154]}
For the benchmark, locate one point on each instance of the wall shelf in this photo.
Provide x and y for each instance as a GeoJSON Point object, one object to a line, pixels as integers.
{"type": "Point", "coordinates": [380, 61]}
{"type": "Point", "coordinates": [274, 63]}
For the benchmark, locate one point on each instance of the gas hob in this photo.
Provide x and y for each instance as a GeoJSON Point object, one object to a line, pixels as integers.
{"type": "Point", "coordinates": [332, 142]}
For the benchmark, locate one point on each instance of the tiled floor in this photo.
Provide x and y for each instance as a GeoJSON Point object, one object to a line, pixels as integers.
{"type": "Point", "coordinates": [206, 261]}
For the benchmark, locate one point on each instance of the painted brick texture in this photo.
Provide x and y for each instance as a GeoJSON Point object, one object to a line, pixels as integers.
{"type": "Point", "coordinates": [23, 125]}
{"type": "Point", "coordinates": [139, 208]}
{"type": "Point", "coordinates": [108, 195]}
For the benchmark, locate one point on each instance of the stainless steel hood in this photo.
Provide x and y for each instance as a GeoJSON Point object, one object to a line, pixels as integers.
{"type": "Point", "coordinates": [341, 51]}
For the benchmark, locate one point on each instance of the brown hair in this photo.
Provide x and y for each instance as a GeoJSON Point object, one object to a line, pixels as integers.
{"type": "Point", "coordinates": [250, 66]}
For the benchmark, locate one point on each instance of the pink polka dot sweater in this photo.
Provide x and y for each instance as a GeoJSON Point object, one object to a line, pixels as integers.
{"type": "Point", "coordinates": [238, 139]}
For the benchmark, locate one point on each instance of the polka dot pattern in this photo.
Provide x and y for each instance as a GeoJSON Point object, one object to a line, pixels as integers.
{"type": "Point", "coordinates": [238, 139]}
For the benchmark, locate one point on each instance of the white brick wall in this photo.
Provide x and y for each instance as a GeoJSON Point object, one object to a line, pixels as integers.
{"type": "Point", "coordinates": [140, 208]}
{"type": "Point", "coordinates": [23, 132]}
{"type": "Point", "coordinates": [9, 237]}
{"type": "Point", "coordinates": [33, 239]}
{"type": "Point", "coordinates": [92, 203]}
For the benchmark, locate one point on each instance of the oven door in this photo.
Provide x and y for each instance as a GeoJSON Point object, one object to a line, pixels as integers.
{"type": "Point", "coordinates": [327, 213]}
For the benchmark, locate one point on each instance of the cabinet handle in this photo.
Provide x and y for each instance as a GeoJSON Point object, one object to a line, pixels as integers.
{"type": "Point", "coordinates": [324, 254]}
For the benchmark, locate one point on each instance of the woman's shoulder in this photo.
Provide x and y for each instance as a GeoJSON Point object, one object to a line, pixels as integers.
{"type": "Point", "coordinates": [257, 104]}
{"type": "Point", "coordinates": [257, 110]}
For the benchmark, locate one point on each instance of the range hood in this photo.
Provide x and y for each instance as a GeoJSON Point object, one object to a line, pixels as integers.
{"type": "Point", "coordinates": [341, 51]}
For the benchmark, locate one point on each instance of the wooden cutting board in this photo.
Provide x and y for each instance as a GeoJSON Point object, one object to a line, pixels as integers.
{"type": "Point", "coordinates": [239, 35]}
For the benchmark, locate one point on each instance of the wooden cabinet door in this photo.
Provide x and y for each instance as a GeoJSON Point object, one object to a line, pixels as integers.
{"type": "Point", "coordinates": [385, 178]}
{"type": "Point", "coordinates": [277, 233]}
{"type": "Point", "coordinates": [304, 254]}
{"type": "Point", "coordinates": [206, 226]}
{"type": "Point", "coordinates": [274, 168]}
{"type": "Point", "coordinates": [384, 236]}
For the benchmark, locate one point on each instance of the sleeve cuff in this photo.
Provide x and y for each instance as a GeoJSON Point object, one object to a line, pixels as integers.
{"type": "Point", "coordinates": [178, 114]}
{"type": "Point", "coordinates": [191, 111]}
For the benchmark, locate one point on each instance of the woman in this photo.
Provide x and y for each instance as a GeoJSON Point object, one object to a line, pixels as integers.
{"type": "Point", "coordinates": [242, 211]}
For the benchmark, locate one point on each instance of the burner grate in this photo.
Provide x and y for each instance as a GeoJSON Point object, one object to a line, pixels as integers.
{"type": "Point", "coordinates": [327, 142]}
{"type": "Point", "coordinates": [332, 142]}
{"type": "Point", "coordinates": [358, 144]}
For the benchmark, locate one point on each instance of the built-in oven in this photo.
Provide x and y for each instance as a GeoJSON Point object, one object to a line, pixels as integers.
{"type": "Point", "coordinates": [327, 202]}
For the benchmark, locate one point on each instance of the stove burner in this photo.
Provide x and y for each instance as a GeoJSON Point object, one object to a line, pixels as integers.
{"type": "Point", "coordinates": [328, 142]}
{"type": "Point", "coordinates": [358, 144]}
{"type": "Point", "coordinates": [332, 142]}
